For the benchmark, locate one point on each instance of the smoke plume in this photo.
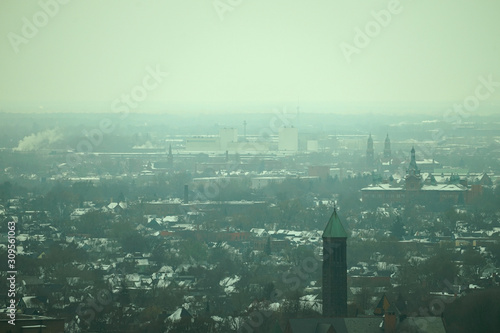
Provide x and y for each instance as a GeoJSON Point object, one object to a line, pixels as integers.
{"type": "Point", "coordinates": [38, 140]}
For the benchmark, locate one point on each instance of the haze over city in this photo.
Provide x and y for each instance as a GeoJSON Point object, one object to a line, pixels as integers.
{"type": "Point", "coordinates": [248, 56]}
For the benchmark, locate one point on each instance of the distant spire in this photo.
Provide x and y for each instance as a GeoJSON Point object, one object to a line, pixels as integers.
{"type": "Point", "coordinates": [387, 148]}
{"type": "Point", "coordinates": [413, 168]}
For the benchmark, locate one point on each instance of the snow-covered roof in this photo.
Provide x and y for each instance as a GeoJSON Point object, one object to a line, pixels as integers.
{"type": "Point", "coordinates": [179, 314]}
{"type": "Point", "coordinates": [384, 187]}
{"type": "Point", "coordinates": [444, 187]}
{"type": "Point", "coordinates": [228, 283]}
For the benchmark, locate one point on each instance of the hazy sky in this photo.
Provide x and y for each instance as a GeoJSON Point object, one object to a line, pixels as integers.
{"type": "Point", "coordinates": [259, 51]}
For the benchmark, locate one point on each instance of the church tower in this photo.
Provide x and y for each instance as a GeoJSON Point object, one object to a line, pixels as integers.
{"type": "Point", "coordinates": [387, 148]}
{"type": "Point", "coordinates": [334, 268]}
{"type": "Point", "coordinates": [413, 178]}
{"type": "Point", "coordinates": [369, 151]}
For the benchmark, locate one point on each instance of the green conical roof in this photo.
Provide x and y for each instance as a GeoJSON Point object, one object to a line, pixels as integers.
{"type": "Point", "coordinates": [334, 228]}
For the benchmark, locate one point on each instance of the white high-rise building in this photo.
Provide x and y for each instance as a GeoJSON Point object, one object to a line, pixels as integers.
{"type": "Point", "coordinates": [226, 136]}
{"type": "Point", "coordinates": [288, 139]}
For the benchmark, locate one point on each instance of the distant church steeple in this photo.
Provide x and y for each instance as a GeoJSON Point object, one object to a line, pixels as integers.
{"type": "Point", "coordinates": [334, 268]}
{"type": "Point", "coordinates": [413, 169]}
{"type": "Point", "coordinates": [413, 178]}
{"type": "Point", "coordinates": [369, 151]}
{"type": "Point", "coordinates": [387, 148]}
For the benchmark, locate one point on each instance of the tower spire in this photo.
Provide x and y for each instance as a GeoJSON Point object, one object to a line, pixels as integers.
{"type": "Point", "coordinates": [334, 268]}
{"type": "Point", "coordinates": [413, 169]}
{"type": "Point", "coordinates": [334, 228]}
{"type": "Point", "coordinates": [413, 178]}
{"type": "Point", "coordinates": [387, 148]}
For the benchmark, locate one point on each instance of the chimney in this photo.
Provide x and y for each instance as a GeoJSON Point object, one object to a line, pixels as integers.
{"type": "Point", "coordinates": [390, 320]}
{"type": "Point", "coordinates": [186, 194]}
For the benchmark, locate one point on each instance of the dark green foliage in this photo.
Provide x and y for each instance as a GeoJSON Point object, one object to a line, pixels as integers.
{"type": "Point", "coordinates": [398, 229]}
{"type": "Point", "coordinates": [477, 312]}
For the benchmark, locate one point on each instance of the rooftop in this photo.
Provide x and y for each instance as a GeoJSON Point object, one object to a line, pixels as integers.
{"type": "Point", "coordinates": [334, 228]}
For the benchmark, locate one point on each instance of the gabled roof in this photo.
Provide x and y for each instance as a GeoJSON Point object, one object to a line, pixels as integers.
{"type": "Point", "coordinates": [382, 306]}
{"type": "Point", "coordinates": [334, 228]}
{"type": "Point", "coordinates": [179, 314]}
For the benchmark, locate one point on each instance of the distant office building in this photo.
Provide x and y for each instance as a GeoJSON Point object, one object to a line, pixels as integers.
{"type": "Point", "coordinates": [227, 136]}
{"type": "Point", "coordinates": [288, 139]}
{"type": "Point", "coordinates": [227, 140]}
{"type": "Point", "coordinates": [203, 143]}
